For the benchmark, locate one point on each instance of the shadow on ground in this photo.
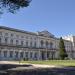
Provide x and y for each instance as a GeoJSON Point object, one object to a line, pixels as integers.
{"type": "Point", "coordinates": [13, 69]}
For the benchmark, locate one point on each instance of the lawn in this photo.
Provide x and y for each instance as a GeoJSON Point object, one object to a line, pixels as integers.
{"type": "Point", "coordinates": [53, 62]}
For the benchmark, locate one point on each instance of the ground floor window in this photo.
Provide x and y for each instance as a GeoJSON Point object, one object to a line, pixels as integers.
{"type": "Point", "coordinates": [31, 54]}
{"type": "Point", "coordinates": [16, 54]}
{"type": "Point", "coordinates": [21, 54]}
{"type": "Point", "coordinates": [11, 54]}
{"type": "Point", "coordinates": [5, 53]}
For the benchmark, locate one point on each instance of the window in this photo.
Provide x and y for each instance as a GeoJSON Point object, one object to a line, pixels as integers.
{"type": "Point", "coordinates": [21, 42]}
{"type": "Point", "coordinates": [12, 35]}
{"type": "Point", "coordinates": [26, 43]}
{"type": "Point", "coordinates": [31, 44]}
{"type": "Point", "coordinates": [11, 54]}
{"type": "Point", "coordinates": [35, 55]}
{"type": "Point", "coordinates": [6, 40]}
{"type": "Point", "coordinates": [35, 44]}
{"type": "Point", "coordinates": [17, 42]}
{"type": "Point", "coordinates": [5, 53]}
{"type": "Point", "coordinates": [6, 34]}
{"type": "Point", "coordinates": [21, 54]}
{"type": "Point", "coordinates": [16, 54]}
{"type": "Point", "coordinates": [0, 40]}
{"type": "Point", "coordinates": [51, 45]}
{"type": "Point", "coordinates": [17, 36]}
{"type": "Point", "coordinates": [0, 33]}
{"type": "Point", "coordinates": [11, 41]}
{"type": "Point", "coordinates": [42, 43]}
{"type": "Point", "coordinates": [46, 44]}
{"type": "Point", "coordinates": [31, 54]}
{"type": "Point", "coordinates": [26, 54]}
{"type": "Point", "coordinates": [22, 36]}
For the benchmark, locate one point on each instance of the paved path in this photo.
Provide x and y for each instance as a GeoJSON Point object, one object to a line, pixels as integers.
{"type": "Point", "coordinates": [34, 65]}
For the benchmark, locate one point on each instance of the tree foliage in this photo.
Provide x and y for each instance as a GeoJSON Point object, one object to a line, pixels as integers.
{"type": "Point", "coordinates": [13, 5]}
{"type": "Point", "coordinates": [62, 51]}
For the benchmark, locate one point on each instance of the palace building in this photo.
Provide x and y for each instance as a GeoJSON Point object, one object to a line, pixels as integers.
{"type": "Point", "coordinates": [18, 44]}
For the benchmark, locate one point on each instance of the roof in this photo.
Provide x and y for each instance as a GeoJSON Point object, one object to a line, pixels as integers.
{"type": "Point", "coordinates": [17, 30]}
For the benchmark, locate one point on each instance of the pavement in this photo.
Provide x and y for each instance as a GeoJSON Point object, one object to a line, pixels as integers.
{"type": "Point", "coordinates": [34, 65]}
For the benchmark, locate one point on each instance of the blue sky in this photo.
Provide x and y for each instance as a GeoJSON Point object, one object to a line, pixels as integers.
{"type": "Point", "coordinates": [56, 16]}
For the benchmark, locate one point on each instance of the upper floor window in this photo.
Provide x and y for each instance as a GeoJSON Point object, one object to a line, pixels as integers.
{"type": "Point", "coordinates": [6, 34]}
{"type": "Point", "coordinates": [17, 42]}
{"type": "Point", "coordinates": [34, 44]}
{"type": "Point", "coordinates": [17, 36]}
{"type": "Point", "coordinates": [22, 36]}
{"type": "Point", "coordinates": [0, 40]}
{"type": "Point", "coordinates": [22, 42]}
{"type": "Point", "coordinates": [51, 45]}
{"type": "Point", "coordinates": [31, 44]}
{"type": "Point", "coordinates": [11, 41]}
{"type": "Point", "coordinates": [26, 43]}
{"type": "Point", "coordinates": [12, 35]}
{"type": "Point", "coordinates": [46, 44]}
{"type": "Point", "coordinates": [0, 33]}
{"type": "Point", "coordinates": [42, 43]}
{"type": "Point", "coordinates": [6, 40]}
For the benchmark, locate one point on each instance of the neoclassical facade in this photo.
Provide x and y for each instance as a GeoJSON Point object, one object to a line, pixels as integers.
{"type": "Point", "coordinates": [18, 44]}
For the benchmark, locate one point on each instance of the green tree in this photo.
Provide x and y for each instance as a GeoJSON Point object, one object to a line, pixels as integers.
{"type": "Point", "coordinates": [62, 51]}
{"type": "Point", "coordinates": [13, 5]}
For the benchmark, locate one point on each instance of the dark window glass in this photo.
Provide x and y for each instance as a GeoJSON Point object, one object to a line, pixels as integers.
{"type": "Point", "coordinates": [21, 54]}
{"type": "Point", "coordinates": [11, 54]}
{"type": "Point", "coordinates": [42, 43]}
{"type": "Point", "coordinates": [16, 54]}
{"type": "Point", "coordinates": [6, 40]}
{"type": "Point", "coordinates": [5, 53]}
{"type": "Point", "coordinates": [11, 41]}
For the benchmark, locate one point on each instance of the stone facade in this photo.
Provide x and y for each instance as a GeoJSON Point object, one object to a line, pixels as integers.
{"type": "Point", "coordinates": [19, 44]}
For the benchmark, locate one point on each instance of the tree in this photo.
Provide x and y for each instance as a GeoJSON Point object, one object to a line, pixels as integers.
{"type": "Point", "coordinates": [13, 5]}
{"type": "Point", "coordinates": [62, 51]}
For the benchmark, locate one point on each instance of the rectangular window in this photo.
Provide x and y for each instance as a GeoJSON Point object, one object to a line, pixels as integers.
{"type": "Point", "coordinates": [17, 42]}
{"type": "Point", "coordinates": [0, 40]}
{"type": "Point", "coordinates": [0, 33]}
{"type": "Point", "coordinates": [16, 54]}
{"type": "Point", "coordinates": [6, 34]}
{"type": "Point", "coordinates": [26, 54]}
{"type": "Point", "coordinates": [31, 54]}
{"type": "Point", "coordinates": [21, 54]}
{"type": "Point", "coordinates": [26, 43]}
{"type": "Point", "coordinates": [11, 54]}
{"type": "Point", "coordinates": [11, 41]}
{"type": "Point", "coordinates": [6, 40]}
{"type": "Point", "coordinates": [12, 35]}
{"type": "Point", "coordinates": [5, 53]}
{"type": "Point", "coordinates": [21, 42]}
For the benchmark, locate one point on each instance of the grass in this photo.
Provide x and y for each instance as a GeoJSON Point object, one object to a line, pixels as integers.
{"type": "Point", "coordinates": [53, 62]}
